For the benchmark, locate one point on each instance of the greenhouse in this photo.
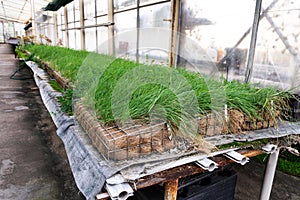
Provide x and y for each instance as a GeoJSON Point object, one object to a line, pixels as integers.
{"type": "Point", "coordinates": [159, 96]}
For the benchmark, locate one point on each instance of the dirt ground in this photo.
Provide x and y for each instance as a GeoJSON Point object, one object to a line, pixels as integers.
{"type": "Point", "coordinates": [250, 179]}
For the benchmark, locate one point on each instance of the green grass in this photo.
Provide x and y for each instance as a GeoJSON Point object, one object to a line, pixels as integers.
{"type": "Point", "coordinates": [287, 162]}
{"type": "Point", "coordinates": [66, 61]}
{"type": "Point", "coordinates": [120, 89]}
{"type": "Point", "coordinates": [56, 86]}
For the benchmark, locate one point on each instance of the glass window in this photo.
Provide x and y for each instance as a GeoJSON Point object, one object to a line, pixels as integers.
{"type": "Point", "coordinates": [89, 12]}
{"type": "Point", "coordinates": [124, 4]}
{"type": "Point", "coordinates": [153, 26]}
{"type": "Point", "coordinates": [70, 13]}
{"type": "Point", "coordinates": [60, 17]}
{"type": "Point", "coordinates": [72, 40]}
{"type": "Point", "coordinates": [102, 7]}
{"type": "Point", "coordinates": [154, 16]}
{"type": "Point", "coordinates": [125, 21]}
{"type": "Point", "coordinates": [277, 57]}
{"type": "Point", "coordinates": [211, 28]}
{"type": "Point", "coordinates": [61, 35]}
{"type": "Point", "coordinates": [1, 32]}
{"type": "Point", "coordinates": [144, 2]}
{"type": "Point", "coordinates": [90, 39]}
{"type": "Point", "coordinates": [76, 10]}
{"type": "Point", "coordinates": [102, 36]}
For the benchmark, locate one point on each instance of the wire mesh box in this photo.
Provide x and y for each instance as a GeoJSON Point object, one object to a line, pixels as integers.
{"type": "Point", "coordinates": [233, 122]}
{"type": "Point", "coordinates": [116, 143]}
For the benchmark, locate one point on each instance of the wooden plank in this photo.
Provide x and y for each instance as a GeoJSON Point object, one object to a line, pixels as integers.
{"type": "Point", "coordinates": [187, 170]}
{"type": "Point", "coordinates": [102, 196]}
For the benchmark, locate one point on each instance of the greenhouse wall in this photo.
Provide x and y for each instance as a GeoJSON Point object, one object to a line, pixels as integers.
{"type": "Point", "coordinates": [208, 34]}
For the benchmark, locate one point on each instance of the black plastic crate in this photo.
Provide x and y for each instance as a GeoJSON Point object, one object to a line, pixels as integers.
{"type": "Point", "coordinates": [218, 185]}
{"type": "Point", "coordinates": [295, 105]}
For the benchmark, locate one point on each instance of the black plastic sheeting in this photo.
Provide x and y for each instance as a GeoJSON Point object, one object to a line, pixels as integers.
{"type": "Point", "coordinates": [56, 4]}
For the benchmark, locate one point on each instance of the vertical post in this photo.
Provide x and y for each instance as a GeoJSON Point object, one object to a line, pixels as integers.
{"type": "Point", "coordinates": [111, 42]}
{"type": "Point", "coordinates": [14, 29]}
{"type": "Point", "coordinates": [66, 26]}
{"type": "Point", "coordinates": [33, 18]}
{"type": "Point", "coordinates": [96, 28]}
{"type": "Point", "coordinates": [55, 27]}
{"type": "Point", "coordinates": [138, 25]}
{"type": "Point", "coordinates": [171, 188]}
{"type": "Point", "coordinates": [3, 33]}
{"type": "Point", "coordinates": [253, 41]}
{"type": "Point", "coordinates": [82, 31]}
{"type": "Point", "coordinates": [269, 176]}
{"type": "Point", "coordinates": [174, 31]}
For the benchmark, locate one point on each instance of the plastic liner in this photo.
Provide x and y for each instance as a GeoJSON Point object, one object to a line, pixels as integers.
{"type": "Point", "coordinates": [91, 170]}
{"type": "Point", "coordinates": [88, 171]}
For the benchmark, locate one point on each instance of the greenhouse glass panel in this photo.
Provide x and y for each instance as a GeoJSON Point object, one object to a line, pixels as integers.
{"type": "Point", "coordinates": [51, 32]}
{"type": "Point", "coordinates": [124, 4]}
{"type": "Point", "coordinates": [9, 30]}
{"type": "Point", "coordinates": [125, 29]}
{"type": "Point", "coordinates": [76, 10]}
{"type": "Point", "coordinates": [90, 39]}
{"type": "Point", "coordinates": [102, 7]}
{"type": "Point", "coordinates": [213, 29]}
{"type": "Point", "coordinates": [78, 37]}
{"type": "Point", "coordinates": [277, 58]}
{"type": "Point", "coordinates": [102, 36]}
{"type": "Point", "coordinates": [154, 16]}
{"type": "Point", "coordinates": [72, 38]}
{"type": "Point", "coordinates": [19, 28]}
{"type": "Point", "coordinates": [145, 2]}
{"type": "Point", "coordinates": [59, 21]}
{"type": "Point", "coordinates": [61, 36]}
{"type": "Point", "coordinates": [60, 17]}
{"type": "Point", "coordinates": [1, 32]}
{"type": "Point", "coordinates": [152, 22]}
{"type": "Point", "coordinates": [89, 12]}
{"type": "Point", "coordinates": [125, 21]}
{"type": "Point", "coordinates": [71, 17]}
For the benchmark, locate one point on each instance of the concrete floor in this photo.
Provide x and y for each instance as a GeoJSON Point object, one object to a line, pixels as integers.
{"type": "Point", "coordinates": [32, 161]}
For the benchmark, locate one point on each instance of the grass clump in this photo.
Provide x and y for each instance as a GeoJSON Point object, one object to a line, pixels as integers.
{"type": "Point", "coordinates": [120, 89]}
{"type": "Point", "coordinates": [66, 61]}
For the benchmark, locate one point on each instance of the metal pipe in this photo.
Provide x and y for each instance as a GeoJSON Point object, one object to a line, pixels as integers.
{"type": "Point", "coordinates": [207, 164]}
{"type": "Point", "coordinates": [111, 34]}
{"type": "Point", "coordinates": [237, 157]}
{"type": "Point", "coordinates": [253, 41]}
{"type": "Point", "coordinates": [82, 31]}
{"type": "Point", "coordinates": [34, 31]}
{"type": "Point", "coordinates": [269, 148]}
{"type": "Point", "coordinates": [269, 175]}
{"type": "Point", "coordinates": [119, 191]}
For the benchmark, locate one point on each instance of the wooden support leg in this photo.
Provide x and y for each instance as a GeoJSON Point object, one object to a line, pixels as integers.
{"type": "Point", "coordinates": [171, 188]}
